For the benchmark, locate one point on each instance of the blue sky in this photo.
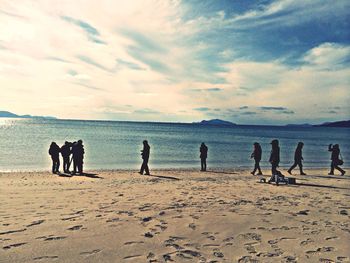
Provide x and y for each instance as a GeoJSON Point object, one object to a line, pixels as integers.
{"type": "Point", "coordinates": [250, 62]}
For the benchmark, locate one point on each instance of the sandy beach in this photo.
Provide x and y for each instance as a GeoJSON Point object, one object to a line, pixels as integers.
{"type": "Point", "coordinates": [173, 216]}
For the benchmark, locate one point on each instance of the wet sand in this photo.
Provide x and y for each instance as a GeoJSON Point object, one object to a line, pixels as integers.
{"type": "Point", "coordinates": [173, 216]}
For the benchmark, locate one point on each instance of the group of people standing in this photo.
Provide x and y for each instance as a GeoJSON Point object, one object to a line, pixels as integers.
{"type": "Point", "coordinates": [274, 159]}
{"type": "Point", "coordinates": [76, 149]}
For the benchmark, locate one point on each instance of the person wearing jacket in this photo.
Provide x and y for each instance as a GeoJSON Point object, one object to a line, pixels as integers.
{"type": "Point", "coordinates": [298, 158]}
{"type": "Point", "coordinates": [256, 154]}
{"type": "Point", "coordinates": [204, 154]}
{"type": "Point", "coordinates": [145, 157]}
{"type": "Point", "coordinates": [335, 160]}
{"type": "Point", "coordinates": [54, 151]}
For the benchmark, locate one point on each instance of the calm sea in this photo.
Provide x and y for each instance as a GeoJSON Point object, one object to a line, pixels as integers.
{"type": "Point", "coordinates": [24, 144]}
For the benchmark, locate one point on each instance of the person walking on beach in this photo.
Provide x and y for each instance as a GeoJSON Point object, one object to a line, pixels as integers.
{"type": "Point", "coordinates": [65, 152]}
{"type": "Point", "coordinates": [204, 154]}
{"type": "Point", "coordinates": [145, 156]}
{"type": "Point", "coordinates": [54, 151]}
{"type": "Point", "coordinates": [275, 160]}
{"type": "Point", "coordinates": [336, 161]}
{"type": "Point", "coordinates": [298, 158]}
{"type": "Point", "coordinates": [78, 157]}
{"type": "Point", "coordinates": [256, 154]}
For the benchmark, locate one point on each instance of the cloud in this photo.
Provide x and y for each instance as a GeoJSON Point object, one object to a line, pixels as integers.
{"type": "Point", "coordinates": [243, 107]}
{"type": "Point", "coordinates": [92, 62]}
{"type": "Point", "coordinates": [146, 111]}
{"type": "Point", "coordinates": [273, 108]}
{"type": "Point", "coordinates": [249, 113]}
{"type": "Point", "coordinates": [91, 32]}
{"type": "Point", "coordinates": [201, 109]}
{"type": "Point", "coordinates": [129, 64]}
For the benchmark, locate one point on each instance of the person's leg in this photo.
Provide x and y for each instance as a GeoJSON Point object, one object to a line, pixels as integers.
{"type": "Point", "coordinates": [332, 169]}
{"type": "Point", "coordinates": [58, 165]}
{"type": "Point", "coordinates": [205, 164]}
{"type": "Point", "coordinates": [53, 165]}
{"type": "Point", "coordinates": [258, 167]}
{"type": "Point", "coordinates": [301, 168]}
{"type": "Point", "coordinates": [292, 167]}
{"type": "Point", "coordinates": [202, 164]}
{"type": "Point", "coordinates": [273, 172]}
{"type": "Point", "coordinates": [146, 168]}
{"type": "Point", "coordinates": [339, 169]}
{"type": "Point", "coordinates": [74, 165]}
{"type": "Point", "coordinates": [255, 168]}
{"type": "Point", "coordinates": [143, 165]}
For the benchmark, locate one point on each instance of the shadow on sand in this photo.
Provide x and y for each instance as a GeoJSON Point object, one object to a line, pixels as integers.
{"type": "Point", "coordinates": [321, 186]}
{"type": "Point", "coordinates": [220, 172]}
{"type": "Point", "coordinates": [90, 175]}
{"type": "Point", "coordinates": [165, 177]}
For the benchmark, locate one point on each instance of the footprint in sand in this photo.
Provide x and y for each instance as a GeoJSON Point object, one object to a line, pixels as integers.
{"type": "Point", "coordinates": [54, 238]}
{"type": "Point", "coordinates": [75, 227]}
{"type": "Point", "coordinates": [45, 258]}
{"type": "Point", "coordinates": [132, 257]}
{"type": "Point", "coordinates": [14, 245]}
{"type": "Point", "coordinates": [34, 223]}
{"type": "Point", "coordinates": [89, 253]}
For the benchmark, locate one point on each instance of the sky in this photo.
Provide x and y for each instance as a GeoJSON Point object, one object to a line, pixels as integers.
{"type": "Point", "coordinates": [249, 62]}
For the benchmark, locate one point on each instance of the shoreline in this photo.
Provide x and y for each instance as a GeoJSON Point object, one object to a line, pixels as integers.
{"type": "Point", "coordinates": [180, 169]}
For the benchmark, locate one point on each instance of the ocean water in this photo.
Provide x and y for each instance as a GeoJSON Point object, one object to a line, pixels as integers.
{"type": "Point", "coordinates": [24, 144]}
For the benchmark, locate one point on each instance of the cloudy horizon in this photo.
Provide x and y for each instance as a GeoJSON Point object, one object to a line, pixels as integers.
{"type": "Point", "coordinates": [249, 62]}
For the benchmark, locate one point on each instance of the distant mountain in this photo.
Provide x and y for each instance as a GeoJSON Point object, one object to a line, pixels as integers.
{"type": "Point", "coordinates": [342, 124]}
{"type": "Point", "coordinates": [216, 122]}
{"type": "Point", "coordinates": [299, 125]}
{"type": "Point", "coordinates": [7, 114]}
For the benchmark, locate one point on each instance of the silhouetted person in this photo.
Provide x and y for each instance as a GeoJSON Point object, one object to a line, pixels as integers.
{"type": "Point", "coordinates": [54, 151]}
{"type": "Point", "coordinates": [65, 152]}
{"type": "Point", "coordinates": [335, 159]}
{"type": "Point", "coordinates": [78, 157]}
{"type": "Point", "coordinates": [256, 154]}
{"type": "Point", "coordinates": [274, 159]}
{"type": "Point", "coordinates": [298, 158]}
{"type": "Point", "coordinates": [204, 154]}
{"type": "Point", "coordinates": [145, 156]}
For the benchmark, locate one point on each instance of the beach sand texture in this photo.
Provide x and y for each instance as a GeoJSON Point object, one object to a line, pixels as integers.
{"type": "Point", "coordinates": [173, 216]}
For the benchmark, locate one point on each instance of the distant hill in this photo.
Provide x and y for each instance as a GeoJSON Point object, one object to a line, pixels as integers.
{"type": "Point", "coordinates": [299, 125]}
{"type": "Point", "coordinates": [216, 122]}
{"type": "Point", "coordinates": [7, 114]}
{"type": "Point", "coordinates": [342, 124]}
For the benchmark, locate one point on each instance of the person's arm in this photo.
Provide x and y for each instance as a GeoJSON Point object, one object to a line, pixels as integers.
{"type": "Point", "coordinates": [330, 148]}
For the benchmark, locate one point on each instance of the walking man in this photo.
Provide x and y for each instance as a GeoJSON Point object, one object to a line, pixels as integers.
{"type": "Point", "coordinates": [145, 156]}
{"type": "Point", "coordinates": [256, 154]}
{"type": "Point", "coordinates": [298, 158]}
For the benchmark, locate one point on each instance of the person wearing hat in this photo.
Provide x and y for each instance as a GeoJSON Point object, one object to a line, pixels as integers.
{"type": "Point", "coordinates": [298, 158]}
{"type": "Point", "coordinates": [274, 160]}
{"type": "Point", "coordinates": [335, 159]}
{"type": "Point", "coordinates": [256, 154]}
{"type": "Point", "coordinates": [145, 157]}
{"type": "Point", "coordinates": [204, 154]}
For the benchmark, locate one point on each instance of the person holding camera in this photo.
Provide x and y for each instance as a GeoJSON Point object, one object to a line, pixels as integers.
{"type": "Point", "coordinates": [336, 161]}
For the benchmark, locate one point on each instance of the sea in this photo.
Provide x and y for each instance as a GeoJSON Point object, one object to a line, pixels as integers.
{"type": "Point", "coordinates": [24, 144]}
